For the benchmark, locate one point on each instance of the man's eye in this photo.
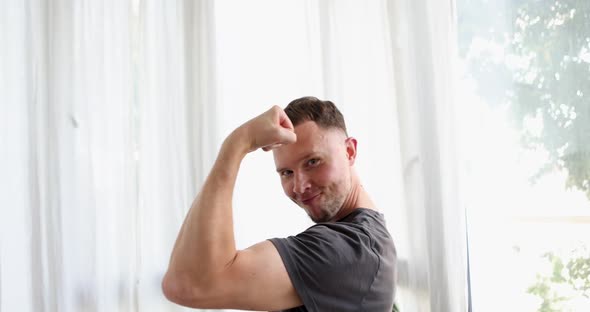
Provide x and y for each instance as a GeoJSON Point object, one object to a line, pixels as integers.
{"type": "Point", "coordinates": [286, 173]}
{"type": "Point", "coordinates": [313, 162]}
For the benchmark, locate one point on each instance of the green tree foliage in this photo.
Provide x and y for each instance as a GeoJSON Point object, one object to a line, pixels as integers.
{"type": "Point", "coordinates": [572, 274]}
{"type": "Point", "coordinates": [535, 57]}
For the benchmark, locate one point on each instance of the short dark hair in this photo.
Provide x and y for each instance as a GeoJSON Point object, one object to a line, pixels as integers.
{"type": "Point", "coordinates": [324, 113]}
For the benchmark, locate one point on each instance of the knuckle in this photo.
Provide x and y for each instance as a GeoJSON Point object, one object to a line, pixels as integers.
{"type": "Point", "coordinates": [276, 108]}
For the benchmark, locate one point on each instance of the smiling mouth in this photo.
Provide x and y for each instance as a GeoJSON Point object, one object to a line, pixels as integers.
{"type": "Point", "coordinates": [310, 199]}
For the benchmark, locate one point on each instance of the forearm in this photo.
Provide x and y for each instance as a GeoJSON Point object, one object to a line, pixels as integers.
{"type": "Point", "coordinates": [206, 244]}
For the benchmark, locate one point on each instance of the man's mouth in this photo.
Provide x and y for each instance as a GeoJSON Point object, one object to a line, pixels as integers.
{"type": "Point", "coordinates": [308, 200]}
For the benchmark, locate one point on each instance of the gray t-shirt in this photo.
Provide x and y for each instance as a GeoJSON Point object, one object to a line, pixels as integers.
{"type": "Point", "coordinates": [348, 265]}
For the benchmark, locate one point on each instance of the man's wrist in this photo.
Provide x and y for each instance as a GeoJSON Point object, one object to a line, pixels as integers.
{"type": "Point", "coordinates": [237, 143]}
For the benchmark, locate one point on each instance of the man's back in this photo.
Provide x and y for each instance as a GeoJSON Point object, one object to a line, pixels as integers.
{"type": "Point", "coordinates": [348, 265]}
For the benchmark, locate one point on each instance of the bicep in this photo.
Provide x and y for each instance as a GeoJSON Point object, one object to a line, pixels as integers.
{"type": "Point", "coordinates": [258, 280]}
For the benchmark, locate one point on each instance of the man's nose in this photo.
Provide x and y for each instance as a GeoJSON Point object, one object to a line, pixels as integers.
{"type": "Point", "coordinates": [301, 183]}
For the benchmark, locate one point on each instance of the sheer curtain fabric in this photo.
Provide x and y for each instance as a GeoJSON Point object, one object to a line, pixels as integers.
{"type": "Point", "coordinates": [112, 112]}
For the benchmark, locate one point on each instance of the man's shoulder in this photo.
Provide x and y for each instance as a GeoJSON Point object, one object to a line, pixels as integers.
{"type": "Point", "coordinates": [368, 221]}
{"type": "Point", "coordinates": [318, 257]}
{"type": "Point", "coordinates": [361, 230]}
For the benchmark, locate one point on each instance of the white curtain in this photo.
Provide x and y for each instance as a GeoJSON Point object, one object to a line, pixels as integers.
{"type": "Point", "coordinates": [104, 139]}
{"type": "Point", "coordinates": [112, 111]}
{"type": "Point", "coordinates": [434, 265]}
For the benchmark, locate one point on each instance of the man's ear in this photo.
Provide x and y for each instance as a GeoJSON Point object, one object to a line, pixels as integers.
{"type": "Point", "coordinates": [351, 150]}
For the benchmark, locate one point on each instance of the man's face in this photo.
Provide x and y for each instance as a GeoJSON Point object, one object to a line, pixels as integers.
{"type": "Point", "coordinates": [316, 170]}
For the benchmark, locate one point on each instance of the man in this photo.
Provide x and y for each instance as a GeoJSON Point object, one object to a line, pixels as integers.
{"type": "Point", "coordinates": [346, 262]}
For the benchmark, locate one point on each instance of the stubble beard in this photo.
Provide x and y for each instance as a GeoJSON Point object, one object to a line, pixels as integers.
{"type": "Point", "coordinates": [331, 206]}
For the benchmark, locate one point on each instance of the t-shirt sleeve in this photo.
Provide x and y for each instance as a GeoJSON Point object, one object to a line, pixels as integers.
{"type": "Point", "coordinates": [331, 266]}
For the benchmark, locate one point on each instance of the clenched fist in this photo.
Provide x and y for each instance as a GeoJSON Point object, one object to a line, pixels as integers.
{"type": "Point", "coordinates": [270, 129]}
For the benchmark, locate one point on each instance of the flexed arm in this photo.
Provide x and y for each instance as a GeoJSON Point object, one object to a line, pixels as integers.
{"type": "Point", "coordinates": [206, 270]}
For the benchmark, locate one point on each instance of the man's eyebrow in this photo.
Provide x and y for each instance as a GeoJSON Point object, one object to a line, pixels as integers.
{"type": "Point", "coordinates": [279, 170]}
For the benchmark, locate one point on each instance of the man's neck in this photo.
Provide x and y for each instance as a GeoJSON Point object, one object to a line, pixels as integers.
{"type": "Point", "coordinates": [358, 198]}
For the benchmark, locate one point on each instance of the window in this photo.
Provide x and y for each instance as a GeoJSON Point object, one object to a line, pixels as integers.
{"type": "Point", "coordinates": [525, 133]}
